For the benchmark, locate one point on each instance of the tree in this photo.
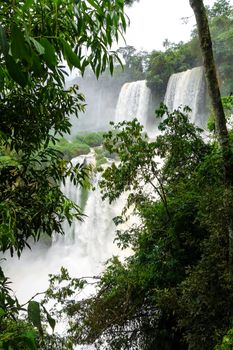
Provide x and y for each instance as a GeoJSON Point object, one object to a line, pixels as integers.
{"type": "Point", "coordinates": [220, 21]}
{"type": "Point", "coordinates": [135, 63]}
{"type": "Point", "coordinates": [213, 86]}
{"type": "Point", "coordinates": [35, 37]}
{"type": "Point", "coordinates": [161, 65]}
{"type": "Point", "coordinates": [220, 8]}
{"type": "Point", "coordinates": [175, 290]}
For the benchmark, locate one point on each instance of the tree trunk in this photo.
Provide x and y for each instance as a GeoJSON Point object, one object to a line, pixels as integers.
{"type": "Point", "coordinates": [213, 86]}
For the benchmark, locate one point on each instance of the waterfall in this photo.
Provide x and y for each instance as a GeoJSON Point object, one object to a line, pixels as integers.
{"type": "Point", "coordinates": [82, 250]}
{"type": "Point", "coordinates": [188, 89]}
{"type": "Point", "coordinates": [86, 245]}
{"type": "Point", "coordinates": [133, 102]}
{"type": "Point", "coordinates": [92, 238]}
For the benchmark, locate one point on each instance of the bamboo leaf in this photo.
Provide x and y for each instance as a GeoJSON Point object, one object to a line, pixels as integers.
{"type": "Point", "coordinates": [94, 4]}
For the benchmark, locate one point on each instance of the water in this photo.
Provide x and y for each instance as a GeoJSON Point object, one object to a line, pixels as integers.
{"type": "Point", "coordinates": [86, 245]}
{"type": "Point", "coordinates": [133, 102]}
{"type": "Point", "coordinates": [82, 250]}
{"type": "Point", "coordinates": [188, 89]}
{"type": "Point", "coordinates": [100, 98]}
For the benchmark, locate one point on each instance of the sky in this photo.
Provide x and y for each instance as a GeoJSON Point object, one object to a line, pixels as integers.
{"type": "Point", "coordinates": [153, 21]}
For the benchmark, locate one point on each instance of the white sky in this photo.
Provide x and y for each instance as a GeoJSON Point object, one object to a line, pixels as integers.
{"type": "Point", "coordinates": [152, 21]}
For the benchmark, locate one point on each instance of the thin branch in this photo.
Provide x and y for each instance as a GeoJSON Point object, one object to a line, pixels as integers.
{"type": "Point", "coordinates": [39, 293]}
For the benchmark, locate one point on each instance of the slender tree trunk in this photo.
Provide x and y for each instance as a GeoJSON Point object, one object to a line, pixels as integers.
{"type": "Point", "coordinates": [213, 86]}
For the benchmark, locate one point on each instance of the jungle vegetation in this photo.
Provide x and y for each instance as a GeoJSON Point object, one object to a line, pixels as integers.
{"type": "Point", "coordinates": [176, 290]}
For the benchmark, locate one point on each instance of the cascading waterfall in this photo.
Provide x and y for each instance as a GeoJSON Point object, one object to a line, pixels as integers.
{"type": "Point", "coordinates": [94, 237]}
{"type": "Point", "coordinates": [188, 89]}
{"type": "Point", "coordinates": [82, 250]}
{"type": "Point", "coordinates": [133, 102]}
{"type": "Point", "coordinates": [86, 245]}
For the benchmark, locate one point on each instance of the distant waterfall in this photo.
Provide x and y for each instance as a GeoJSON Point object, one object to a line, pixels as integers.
{"type": "Point", "coordinates": [188, 89]}
{"type": "Point", "coordinates": [133, 102]}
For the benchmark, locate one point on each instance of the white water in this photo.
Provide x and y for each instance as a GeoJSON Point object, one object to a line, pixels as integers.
{"type": "Point", "coordinates": [87, 245]}
{"type": "Point", "coordinates": [133, 102]}
{"type": "Point", "coordinates": [83, 250]}
{"type": "Point", "coordinates": [188, 89]}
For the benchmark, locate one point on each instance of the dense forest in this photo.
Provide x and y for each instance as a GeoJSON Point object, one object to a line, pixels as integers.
{"type": "Point", "coordinates": [175, 290]}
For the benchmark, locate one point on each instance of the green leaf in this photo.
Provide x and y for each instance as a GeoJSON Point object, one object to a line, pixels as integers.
{"type": "Point", "coordinates": [2, 77]}
{"type": "Point", "coordinates": [39, 48]}
{"type": "Point", "coordinates": [36, 64]}
{"type": "Point", "coordinates": [29, 340]}
{"type": "Point", "coordinates": [119, 60]}
{"type": "Point", "coordinates": [94, 4]}
{"type": "Point", "coordinates": [50, 320]}
{"type": "Point", "coordinates": [34, 314]}
{"type": "Point", "coordinates": [111, 67]}
{"type": "Point", "coordinates": [124, 25]}
{"type": "Point", "coordinates": [19, 48]}
{"type": "Point", "coordinates": [2, 312]}
{"type": "Point", "coordinates": [4, 47]}
{"type": "Point", "coordinates": [97, 71]}
{"type": "Point", "coordinates": [49, 54]}
{"type": "Point", "coordinates": [16, 72]}
{"type": "Point", "coordinates": [28, 3]}
{"type": "Point", "coordinates": [70, 55]}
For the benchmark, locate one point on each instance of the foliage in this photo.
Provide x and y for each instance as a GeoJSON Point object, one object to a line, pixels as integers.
{"type": "Point", "coordinates": [13, 335]}
{"type": "Point", "coordinates": [80, 144]}
{"type": "Point", "coordinates": [27, 331]}
{"type": "Point", "coordinates": [35, 37]}
{"type": "Point", "coordinates": [135, 63]}
{"type": "Point", "coordinates": [93, 139]}
{"type": "Point", "coordinates": [227, 341]}
{"type": "Point", "coordinates": [17, 336]}
{"type": "Point", "coordinates": [182, 56]}
{"type": "Point", "coordinates": [71, 149]}
{"type": "Point", "coordinates": [221, 16]}
{"type": "Point", "coordinates": [175, 290]}
{"type": "Point", "coordinates": [33, 197]}
{"type": "Point", "coordinates": [161, 65]}
{"type": "Point", "coordinates": [220, 8]}
{"type": "Point", "coordinates": [227, 102]}
{"type": "Point", "coordinates": [100, 157]}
